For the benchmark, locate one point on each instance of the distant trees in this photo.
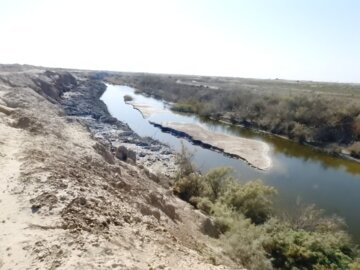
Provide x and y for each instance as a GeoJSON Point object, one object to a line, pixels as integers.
{"type": "Point", "coordinates": [323, 117]}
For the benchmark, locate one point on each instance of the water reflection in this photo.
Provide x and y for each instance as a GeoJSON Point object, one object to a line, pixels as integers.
{"type": "Point", "coordinates": [287, 147]}
{"type": "Point", "coordinates": [299, 172]}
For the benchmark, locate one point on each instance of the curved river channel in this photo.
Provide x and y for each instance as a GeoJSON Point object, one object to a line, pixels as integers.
{"type": "Point", "coordinates": [300, 173]}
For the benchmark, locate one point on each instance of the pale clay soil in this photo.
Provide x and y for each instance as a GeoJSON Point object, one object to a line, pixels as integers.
{"type": "Point", "coordinates": [146, 110]}
{"type": "Point", "coordinates": [62, 206]}
{"type": "Point", "coordinates": [255, 152]}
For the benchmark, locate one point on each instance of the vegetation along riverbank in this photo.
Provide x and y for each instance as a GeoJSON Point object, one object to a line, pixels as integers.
{"type": "Point", "coordinates": [76, 182]}
{"type": "Point", "coordinates": [325, 115]}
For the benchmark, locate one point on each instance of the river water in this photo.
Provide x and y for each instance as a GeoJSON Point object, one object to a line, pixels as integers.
{"type": "Point", "coordinates": [301, 174]}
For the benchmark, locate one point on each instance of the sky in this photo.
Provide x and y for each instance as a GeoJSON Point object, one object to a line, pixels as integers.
{"type": "Point", "coordinates": [300, 39]}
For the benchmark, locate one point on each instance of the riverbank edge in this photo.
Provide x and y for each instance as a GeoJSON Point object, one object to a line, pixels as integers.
{"type": "Point", "coordinates": [191, 139]}
{"type": "Point", "coordinates": [325, 149]}
{"type": "Point", "coordinates": [84, 104]}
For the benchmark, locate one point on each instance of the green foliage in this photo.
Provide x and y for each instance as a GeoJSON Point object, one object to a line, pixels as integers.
{"type": "Point", "coordinates": [190, 187]}
{"type": "Point", "coordinates": [253, 236]}
{"type": "Point", "coordinates": [276, 242]}
{"type": "Point", "coordinates": [310, 218]}
{"type": "Point", "coordinates": [185, 166]}
{"type": "Point", "coordinates": [244, 244]}
{"type": "Point", "coordinates": [307, 250]}
{"type": "Point", "coordinates": [216, 182]}
{"type": "Point", "coordinates": [186, 107]}
{"type": "Point", "coordinates": [254, 200]}
{"type": "Point", "coordinates": [355, 265]}
{"type": "Point", "coordinates": [188, 182]}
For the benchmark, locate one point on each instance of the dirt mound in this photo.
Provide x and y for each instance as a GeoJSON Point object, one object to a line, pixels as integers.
{"type": "Point", "coordinates": [83, 214]}
{"type": "Point", "coordinates": [45, 199]}
{"type": "Point", "coordinates": [29, 124]}
{"type": "Point", "coordinates": [107, 155]}
{"type": "Point", "coordinates": [159, 201]}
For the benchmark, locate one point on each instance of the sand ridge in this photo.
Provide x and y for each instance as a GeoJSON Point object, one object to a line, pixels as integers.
{"type": "Point", "coordinates": [255, 152]}
{"type": "Point", "coordinates": [145, 109]}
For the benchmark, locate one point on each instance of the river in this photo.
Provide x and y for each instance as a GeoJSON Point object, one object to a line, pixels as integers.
{"type": "Point", "coordinates": [301, 174]}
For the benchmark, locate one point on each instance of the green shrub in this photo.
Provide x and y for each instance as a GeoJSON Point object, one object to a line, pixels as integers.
{"type": "Point", "coordinates": [310, 218]}
{"type": "Point", "coordinates": [225, 218]}
{"type": "Point", "coordinates": [276, 244]}
{"type": "Point", "coordinates": [355, 265]}
{"type": "Point", "coordinates": [253, 199]}
{"type": "Point", "coordinates": [183, 161]}
{"type": "Point", "coordinates": [203, 203]}
{"type": "Point", "coordinates": [250, 233]}
{"type": "Point", "coordinates": [189, 187]}
{"type": "Point", "coordinates": [244, 244]}
{"type": "Point", "coordinates": [216, 182]}
{"type": "Point", "coordinates": [184, 107]}
{"type": "Point", "coordinates": [302, 249]}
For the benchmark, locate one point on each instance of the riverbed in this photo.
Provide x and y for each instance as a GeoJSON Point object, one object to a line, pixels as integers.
{"type": "Point", "coordinates": [301, 174]}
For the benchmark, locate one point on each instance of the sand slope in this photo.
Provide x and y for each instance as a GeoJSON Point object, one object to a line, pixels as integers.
{"type": "Point", "coordinates": [63, 206]}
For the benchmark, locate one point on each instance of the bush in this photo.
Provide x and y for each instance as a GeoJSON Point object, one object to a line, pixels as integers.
{"type": "Point", "coordinates": [184, 107]}
{"type": "Point", "coordinates": [310, 218]}
{"type": "Point", "coordinates": [244, 244]}
{"type": "Point", "coordinates": [254, 200]}
{"type": "Point", "coordinates": [276, 244]}
{"type": "Point", "coordinates": [252, 236]}
{"type": "Point", "coordinates": [188, 188]}
{"type": "Point", "coordinates": [355, 265]}
{"type": "Point", "coordinates": [216, 182]}
{"type": "Point", "coordinates": [302, 249]}
{"type": "Point", "coordinates": [183, 161]}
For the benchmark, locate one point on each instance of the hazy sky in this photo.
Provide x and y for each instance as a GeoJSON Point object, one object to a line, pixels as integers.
{"type": "Point", "coordinates": [303, 39]}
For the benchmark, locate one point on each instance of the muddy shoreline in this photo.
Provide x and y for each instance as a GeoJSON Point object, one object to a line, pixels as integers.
{"type": "Point", "coordinates": [261, 165]}
{"type": "Point", "coordinates": [82, 103]}
{"type": "Point", "coordinates": [145, 110]}
{"type": "Point", "coordinates": [322, 148]}
{"type": "Point", "coordinates": [154, 85]}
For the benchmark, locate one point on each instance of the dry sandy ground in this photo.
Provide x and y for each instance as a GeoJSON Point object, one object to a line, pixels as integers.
{"type": "Point", "coordinates": [256, 153]}
{"type": "Point", "coordinates": [63, 206]}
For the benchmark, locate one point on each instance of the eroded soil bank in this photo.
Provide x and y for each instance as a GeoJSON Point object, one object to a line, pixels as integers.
{"type": "Point", "coordinates": [83, 104]}
{"type": "Point", "coordinates": [67, 202]}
